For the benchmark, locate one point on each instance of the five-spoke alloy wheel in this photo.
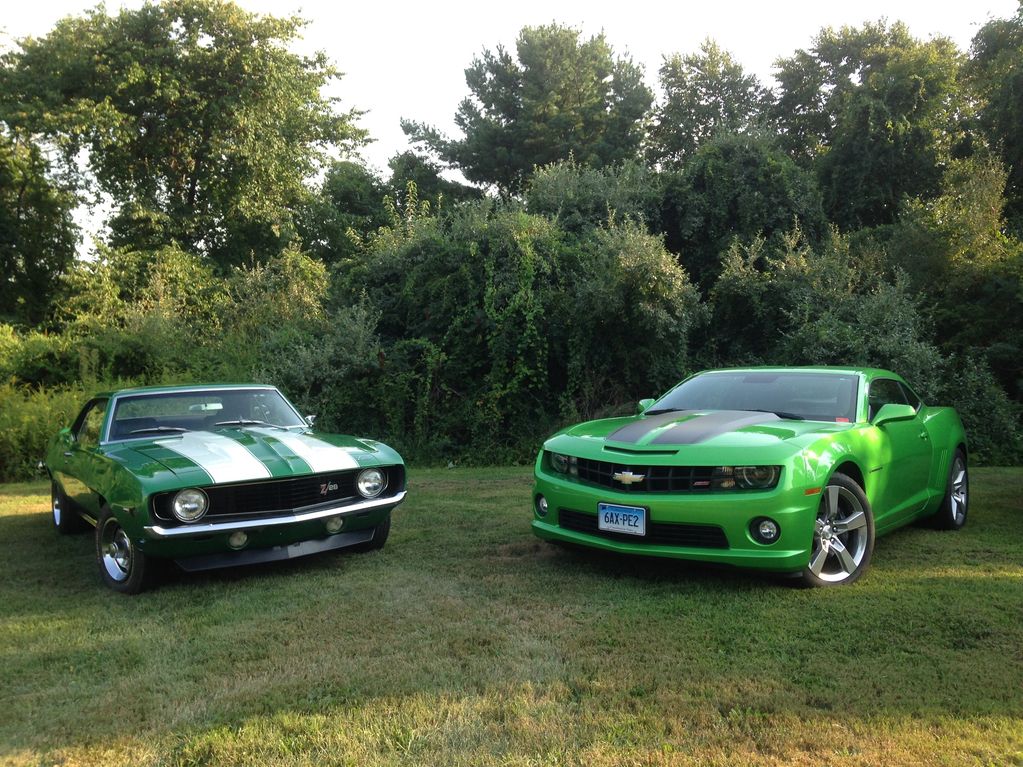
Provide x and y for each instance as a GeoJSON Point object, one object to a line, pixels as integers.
{"type": "Point", "coordinates": [952, 514]}
{"type": "Point", "coordinates": [843, 535]}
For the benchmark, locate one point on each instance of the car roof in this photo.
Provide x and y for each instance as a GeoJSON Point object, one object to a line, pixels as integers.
{"type": "Point", "coordinates": [869, 373]}
{"type": "Point", "coordinates": [182, 388]}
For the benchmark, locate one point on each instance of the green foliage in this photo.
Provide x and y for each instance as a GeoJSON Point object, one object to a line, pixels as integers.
{"type": "Point", "coordinates": [877, 111]}
{"type": "Point", "coordinates": [580, 197]}
{"type": "Point", "coordinates": [735, 186]}
{"type": "Point", "coordinates": [195, 116]}
{"type": "Point", "coordinates": [494, 324]}
{"type": "Point", "coordinates": [37, 234]}
{"type": "Point", "coordinates": [409, 167]}
{"type": "Point", "coordinates": [995, 72]}
{"type": "Point", "coordinates": [29, 417]}
{"type": "Point", "coordinates": [559, 96]}
{"type": "Point", "coordinates": [347, 207]}
{"type": "Point", "coordinates": [705, 94]}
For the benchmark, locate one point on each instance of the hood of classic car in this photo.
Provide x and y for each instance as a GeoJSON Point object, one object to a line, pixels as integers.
{"type": "Point", "coordinates": [245, 453]}
{"type": "Point", "coordinates": [692, 432]}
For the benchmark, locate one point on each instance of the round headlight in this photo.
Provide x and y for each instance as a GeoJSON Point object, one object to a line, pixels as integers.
{"type": "Point", "coordinates": [189, 505]}
{"type": "Point", "coordinates": [559, 462]}
{"type": "Point", "coordinates": [756, 477]}
{"type": "Point", "coordinates": [541, 506]}
{"type": "Point", "coordinates": [371, 483]}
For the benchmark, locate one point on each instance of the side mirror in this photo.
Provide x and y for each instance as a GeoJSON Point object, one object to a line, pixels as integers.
{"type": "Point", "coordinates": [311, 420]}
{"type": "Point", "coordinates": [66, 435]}
{"type": "Point", "coordinates": [643, 404]}
{"type": "Point", "coordinates": [893, 412]}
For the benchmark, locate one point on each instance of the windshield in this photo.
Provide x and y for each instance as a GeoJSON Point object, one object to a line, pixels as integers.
{"type": "Point", "coordinates": [809, 396]}
{"type": "Point", "coordinates": [146, 415]}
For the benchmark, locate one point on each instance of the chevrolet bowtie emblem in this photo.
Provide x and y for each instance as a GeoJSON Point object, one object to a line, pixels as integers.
{"type": "Point", "coordinates": [627, 477]}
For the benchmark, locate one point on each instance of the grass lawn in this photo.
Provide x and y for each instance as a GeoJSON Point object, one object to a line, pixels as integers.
{"type": "Point", "coordinates": [468, 642]}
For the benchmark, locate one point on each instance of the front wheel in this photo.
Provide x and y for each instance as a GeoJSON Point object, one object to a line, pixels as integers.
{"type": "Point", "coordinates": [380, 533]}
{"type": "Point", "coordinates": [843, 535]}
{"type": "Point", "coordinates": [952, 514]}
{"type": "Point", "coordinates": [122, 565]}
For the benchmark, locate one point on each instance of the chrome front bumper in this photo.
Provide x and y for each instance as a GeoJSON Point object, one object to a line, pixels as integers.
{"type": "Point", "coordinates": [212, 528]}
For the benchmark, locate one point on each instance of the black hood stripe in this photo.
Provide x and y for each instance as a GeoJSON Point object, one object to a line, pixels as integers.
{"type": "Point", "coordinates": [636, 430]}
{"type": "Point", "coordinates": [692, 429]}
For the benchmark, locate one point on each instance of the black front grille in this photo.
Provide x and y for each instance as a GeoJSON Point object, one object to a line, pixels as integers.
{"type": "Point", "coordinates": [657, 533]}
{"type": "Point", "coordinates": [656, 479]}
{"type": "Point", "coordinates": [273, 496]}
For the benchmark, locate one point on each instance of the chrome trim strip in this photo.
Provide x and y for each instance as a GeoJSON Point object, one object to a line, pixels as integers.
{"type": "Point", "coordinates": [193, 531]}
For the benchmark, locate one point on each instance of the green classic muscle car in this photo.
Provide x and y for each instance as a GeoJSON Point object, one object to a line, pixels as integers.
{"type": "Point", "coordinates": [214, 476]}
{"type": "Point", "coordinates": [784, 469]}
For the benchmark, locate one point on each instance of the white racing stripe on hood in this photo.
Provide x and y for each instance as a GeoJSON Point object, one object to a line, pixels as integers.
{"type": "Point", "coordinates": [321, 456]}
{"type": "Point", "coordinates": [221, 457]}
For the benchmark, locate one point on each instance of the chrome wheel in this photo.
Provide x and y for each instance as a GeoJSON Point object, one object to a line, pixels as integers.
{"type": "Point", "coordinates": [116, 551]}
{"type": "Point", "coordinates": [841, 535]}
{"type": "Point", "coordinates": [959, 491]}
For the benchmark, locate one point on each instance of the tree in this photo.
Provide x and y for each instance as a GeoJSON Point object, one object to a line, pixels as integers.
{"type": "Point", "coordinates": [348, 206]}
{"type": "Point", "coordinates": [196, 119]}
{"type": "Point", "coordinates": [705, 93]}
{"type": "Point", "coordinates": [877, 111]}
{"type": "Point", "coordinates": [559, 96]}
{"type": "Point", "coordinates": [426, 175]}
{"type": "Point", "coordinates": [37, 233]}
{"type": "Point", "coordinates": [735, 186]}
{"type": "Point", "coordinates": [995, 71]}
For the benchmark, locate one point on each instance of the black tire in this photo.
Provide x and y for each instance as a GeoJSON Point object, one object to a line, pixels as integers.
{"type": "Point", "coordinates": [380, 533]}
{"type": "Point", "coordinates": [66, 520]}
{"type": "Point", "coordinates": [956, 503]}
{"type": "Point", "coordinates": [122, 566]}
{"type": "Point", "coordinates": [843, 538]}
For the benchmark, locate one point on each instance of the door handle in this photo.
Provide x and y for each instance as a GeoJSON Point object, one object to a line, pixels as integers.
{"type": "Point", "coordinates": [68, 454]}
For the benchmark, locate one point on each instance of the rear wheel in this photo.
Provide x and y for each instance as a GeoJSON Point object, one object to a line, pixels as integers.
{"type": "Point", "coordinates": [122, 565]}
{"type": "Point", "coordinates": [952, 514]}
{"type": "Point", "coordinates": [843, 536]}
{"type": "Point", "coordinates": [65, 520]}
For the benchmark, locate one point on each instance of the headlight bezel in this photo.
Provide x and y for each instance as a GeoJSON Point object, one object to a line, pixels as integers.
{"type": "Point", "coordinates": [743, 478]}
{"type": "Point", "coordinates": [561, 463]}
{"type": "Point", "coordinates": [194, 516]}
{"type": "Point", "coordinates": [366, 472]}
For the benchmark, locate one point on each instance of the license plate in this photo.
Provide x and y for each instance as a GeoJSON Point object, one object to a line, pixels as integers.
{"type": "Point", "coordinates": [613, 518]}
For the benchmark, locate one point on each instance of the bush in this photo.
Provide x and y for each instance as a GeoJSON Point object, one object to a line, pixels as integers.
{"type": "Point", "coordinates": [29, 417]}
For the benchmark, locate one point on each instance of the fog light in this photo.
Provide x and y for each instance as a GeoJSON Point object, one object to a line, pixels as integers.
{"type": "Point", "coordinates": [765, 530]}
{"type": "Point", "coordinates": [334, 524]}
{"type": "Point", "coordinates": [541, 506]}
{"type": "Point", "coordinates": [237, 539]}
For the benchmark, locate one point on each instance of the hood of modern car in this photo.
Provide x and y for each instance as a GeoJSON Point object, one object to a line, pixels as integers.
{"type": "Point", "coordinates": [704, 435]}
{"type": "Point", "coordinates": [247, 453]}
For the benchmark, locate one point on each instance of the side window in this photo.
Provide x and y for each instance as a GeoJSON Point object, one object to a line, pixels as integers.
{"type": "Point", "coordinates": [884, 391]}
{"type": "Point", "coordinates": [911, 397]}
{"type": "Point", "coordinates": [90, 422]}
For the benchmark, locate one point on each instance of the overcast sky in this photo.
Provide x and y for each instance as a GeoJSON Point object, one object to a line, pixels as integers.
{"type": "Point", "coordinates": [408, 60]}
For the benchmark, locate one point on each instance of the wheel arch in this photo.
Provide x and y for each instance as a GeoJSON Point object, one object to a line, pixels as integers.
{"type": "Point", "coordinates": [852, 470]}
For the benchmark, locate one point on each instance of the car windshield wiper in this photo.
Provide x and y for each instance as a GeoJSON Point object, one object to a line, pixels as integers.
{"type": "Point", "coordinates": [664, 410]}
{"type": "Point", "coordinates": [248, 422]}
{"type": "Point", "coordinates": [779, 413]}
{"type": "Point", "coordinates": [158, 428]}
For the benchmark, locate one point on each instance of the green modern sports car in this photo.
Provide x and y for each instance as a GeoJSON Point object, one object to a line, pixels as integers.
{"type": "Point", "coordinates": [792, 470]}
{"type": "Point", "coordinates": [213, 476]}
